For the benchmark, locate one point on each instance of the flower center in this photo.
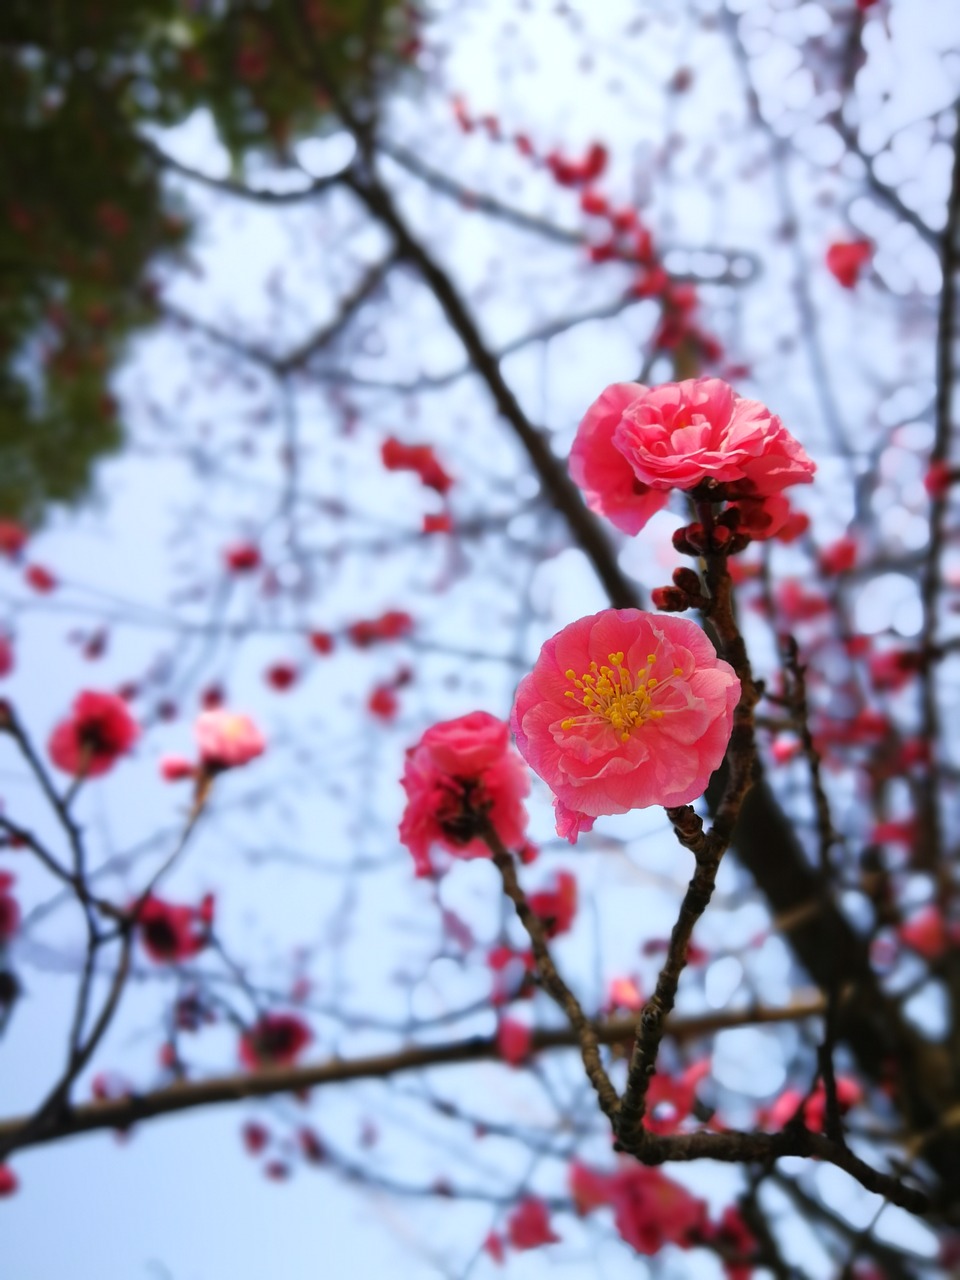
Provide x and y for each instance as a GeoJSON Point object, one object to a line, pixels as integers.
{"type": "Point", "coordinates": [612, 694]}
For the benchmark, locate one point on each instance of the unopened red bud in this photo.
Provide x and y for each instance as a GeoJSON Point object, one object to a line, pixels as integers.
{"type": "Point", "coordinates": [721, 537]}
{"type": "Point", "coordinates": [670, 599]}
{"type": "Point", "coordinates": [689, 540]}
{"type": "Point", "coordinates": [689, 581]}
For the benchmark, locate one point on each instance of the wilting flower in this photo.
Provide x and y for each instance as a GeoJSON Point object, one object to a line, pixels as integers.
{"type": "Point", "coordinates": [275, 1039]}
{"type": "Point", "coordinates": [625, 709]}
{"type": "Point", "coordinates": [227, 739]}
{"type": "Point", "coordinates": [100, 730]}
{"type": "Point", "coordinates": [461, 773]}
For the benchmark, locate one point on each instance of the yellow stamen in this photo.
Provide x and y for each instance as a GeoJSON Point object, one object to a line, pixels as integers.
{"type": "Point", "coordinates": [612, 694]}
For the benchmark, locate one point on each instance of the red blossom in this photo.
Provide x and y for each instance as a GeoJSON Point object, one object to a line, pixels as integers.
{"type": "Point", "coordinates": [442, 523]}
{"type": "Point", "coordinates": [419, 458]}
{"type": "Point", "coordinates": [556, 906]}
{"type": "Point", "coordinates": [110, 1085]}
{"type": "Point", "coordinates": [929, 934]}
{"type": "Point", "coordinates": [170, 932]}
{"type": "Point", "coordinates": [939, 478]}
{"type": "Point", "coordinates": [812, 1110]}
{"type": "Point", "coordinates": [9, 1182]}
{"type": "Point", "coordinates": [6, 656]}
{"type": "Point", "coordinates": [13, 538]}
{"type": "Point", "coordinates": [255, 1137]}
{"type": "Point", "coordinates": [528, 1226]}
{"type": "Point", "coordinates": [649, 728]}
{"type": "Point", "coordinates": [893, 669]}
{"type": "Point", "coordinates": [9, 909]}
{"type": "Point", "coordinates": [383, 702]}
{"type": "Point", "coordinates": [311, 1147]}
{"type": "Point", "coordinates": [40, 578]}
{"type": "Point", "coordinates": [650, 1209]}
{"type": "Point", "coordinates": [392, 625]}
{"type": "Point", "coordinates": [514, 1041]}
{"type": "Point", "coordinates": [735, 1242]}
{"type": "Point", "coordinates": [671, 1099]}
{"type": "Point", "coordinates": [846, 259]}
{"type": "Point", "coordinates": [281, 676]}
{"type": "Point", "coordinates": [275, 1039]}
{"type": "Point", "coordinates": [176, 768]}
{"type": "Point", "coordinates": [321, 642]}
{"type": "Point", "coordinates": [242, 557]}
{"type": "Point", "coordinates": [461, 773]}
{"type": "Point", "coordinates": [839, 556]}
{"type": "Point", "coordinates": [100, 730]}
{"type": "Point", "coordinates": [493, 1245]}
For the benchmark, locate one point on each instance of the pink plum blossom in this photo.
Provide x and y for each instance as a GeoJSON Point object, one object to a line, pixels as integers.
{"type": "Point", "coordinates": [682, 433]}
{"type": "Point", "coordinates": [635, 443]}
{"type": "Point", "coordinates": [227, 739]}
{"type": "Point", "coordinates": [623, 710]}
{"type": "Point", "coordinates": [603, 472]}
{"type": "Point", "coordinates": [460, 772]}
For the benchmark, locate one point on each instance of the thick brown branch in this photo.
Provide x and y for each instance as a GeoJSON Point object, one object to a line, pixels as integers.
{"type": "Point", "coordinates": [121, 1113]}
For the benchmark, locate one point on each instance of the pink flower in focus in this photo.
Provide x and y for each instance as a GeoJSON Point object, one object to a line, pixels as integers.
{"type": "Point", "coordinates": [227, 739]}
{"type": "Point", "coordinates": [682, 433]}
{"type": "Point", "coordinates": [600, 469]}
{"type": "Point", "coordinates": [100, 730]}
{"type": "Point", "coordinates": [528, 1227]}
{"type": "Point", "coordinates": [460, 772]}
{"type": "Point", "coordinates": [625, 709]}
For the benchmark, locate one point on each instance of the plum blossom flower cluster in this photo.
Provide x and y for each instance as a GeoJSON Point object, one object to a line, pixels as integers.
{"type": "Point", "coordinates": [627, 709]}
{"type": "Point", "coordinates": [636, 444]}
